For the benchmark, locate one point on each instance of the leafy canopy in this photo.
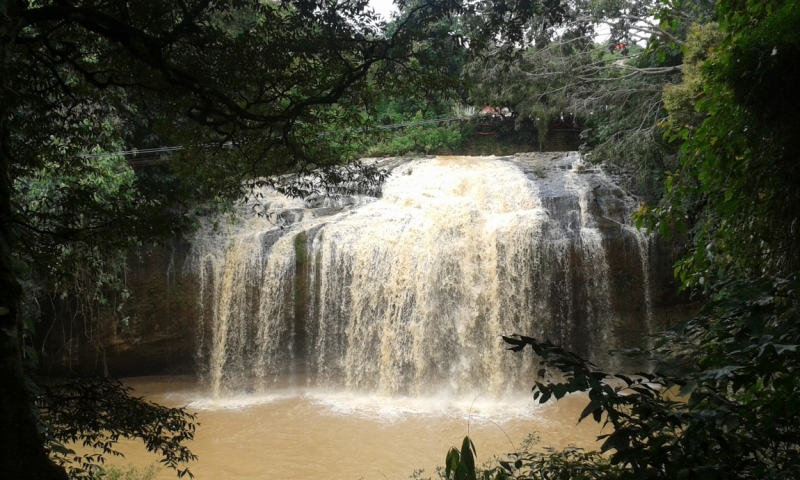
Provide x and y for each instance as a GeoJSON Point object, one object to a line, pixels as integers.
{"type": "Point", "coordinates": [736, 189]}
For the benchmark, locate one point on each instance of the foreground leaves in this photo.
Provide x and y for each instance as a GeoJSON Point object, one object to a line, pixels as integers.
{"type": "Point", "coordinates": [97, 413]}
{"type": "Point", "coordinates": [723, 403]}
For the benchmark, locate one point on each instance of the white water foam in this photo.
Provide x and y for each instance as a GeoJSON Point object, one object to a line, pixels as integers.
{"type": "Point", "coordinates": [477, 408]}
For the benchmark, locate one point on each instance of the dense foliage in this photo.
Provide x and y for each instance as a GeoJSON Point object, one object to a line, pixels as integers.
{"type": "Point", "coordinates": [96, 413]}
{"type": "Point", "coordinates": [592, 67]}
{"type": "Point", "coordinates": [412, 123]}
{"type": "Point", "coordinates": [736, 188]}
{"type": "Point", "coordinates": [723, 406]}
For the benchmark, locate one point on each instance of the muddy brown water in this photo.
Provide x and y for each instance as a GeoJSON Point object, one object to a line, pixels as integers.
{"type": "Point", "coordinates": [303, 433]}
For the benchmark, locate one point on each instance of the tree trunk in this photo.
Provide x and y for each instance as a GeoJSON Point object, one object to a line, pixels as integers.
{"type": "Point", "coordinates": [22, 452]}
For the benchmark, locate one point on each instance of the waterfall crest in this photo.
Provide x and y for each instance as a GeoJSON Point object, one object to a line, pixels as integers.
{"type": "Point", "coordinates": [409, 293]}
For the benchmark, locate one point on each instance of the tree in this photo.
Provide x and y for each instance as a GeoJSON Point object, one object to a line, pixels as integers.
{"type": "Point", "coordinates": [614, 88]}
{"type": "Point", "coordinates": [736, 189]}
{"type": "Point", "coordinates": [96, 413]}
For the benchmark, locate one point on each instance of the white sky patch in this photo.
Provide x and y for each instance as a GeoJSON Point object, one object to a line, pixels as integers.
{"type": "Point", "coordinates": [602, 34]}
{"type": "Point", "coordinates": [384, 7]}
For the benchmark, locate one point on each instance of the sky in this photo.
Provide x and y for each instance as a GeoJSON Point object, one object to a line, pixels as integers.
{"type": "Point", "coordinates": [384, 7]}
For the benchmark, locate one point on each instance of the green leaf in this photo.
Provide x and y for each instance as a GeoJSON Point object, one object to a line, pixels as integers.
{"type": "Point", "coordinates": [60, 449]}
{"type": "Point", "coordinates": [451, 461]}
{"type": "Point", "coordinates": [687, 388]}
{"type": "Point", "coordinates": [468, 458]}
{"type": "Point", "coordinates": [590, 409]}
{"type": "Point", "coordinates": [781, 349]}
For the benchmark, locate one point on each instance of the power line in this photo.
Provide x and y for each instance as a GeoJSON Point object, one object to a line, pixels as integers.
{"type": "Point", "coordinates": [134, 152]}
{"type": "Point", "coordinates": [160, 150]}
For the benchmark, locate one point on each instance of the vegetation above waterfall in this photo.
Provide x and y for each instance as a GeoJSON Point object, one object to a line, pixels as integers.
{"type": "Point", "coordinates": [735, 189]}
{"type": "Point", "coordinates": [605, 66]}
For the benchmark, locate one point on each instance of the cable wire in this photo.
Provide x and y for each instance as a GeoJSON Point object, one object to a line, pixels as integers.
{"type": "Point", "coordinates": [177, 148]}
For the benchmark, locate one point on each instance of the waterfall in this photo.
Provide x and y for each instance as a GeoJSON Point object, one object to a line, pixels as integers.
{"type": "Point", "coordinates": [410, 293]}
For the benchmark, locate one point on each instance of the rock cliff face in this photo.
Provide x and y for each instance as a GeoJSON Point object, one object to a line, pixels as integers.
{"type": "Point", "coordinates": [407, 293]}
{"type": "Point", "coordinates": [641, 293]}
{"type": "Point", "coordinates": [153, 334]}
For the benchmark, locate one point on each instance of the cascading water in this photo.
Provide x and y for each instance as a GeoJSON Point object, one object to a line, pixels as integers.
{"type": "Point", "coordinates": [409, 293]}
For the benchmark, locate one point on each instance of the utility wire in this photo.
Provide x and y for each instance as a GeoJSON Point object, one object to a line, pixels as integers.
{"type": "Point", "coordinates": [141, 151]}
{"type": "Point", "coordinates": [177, 148]}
